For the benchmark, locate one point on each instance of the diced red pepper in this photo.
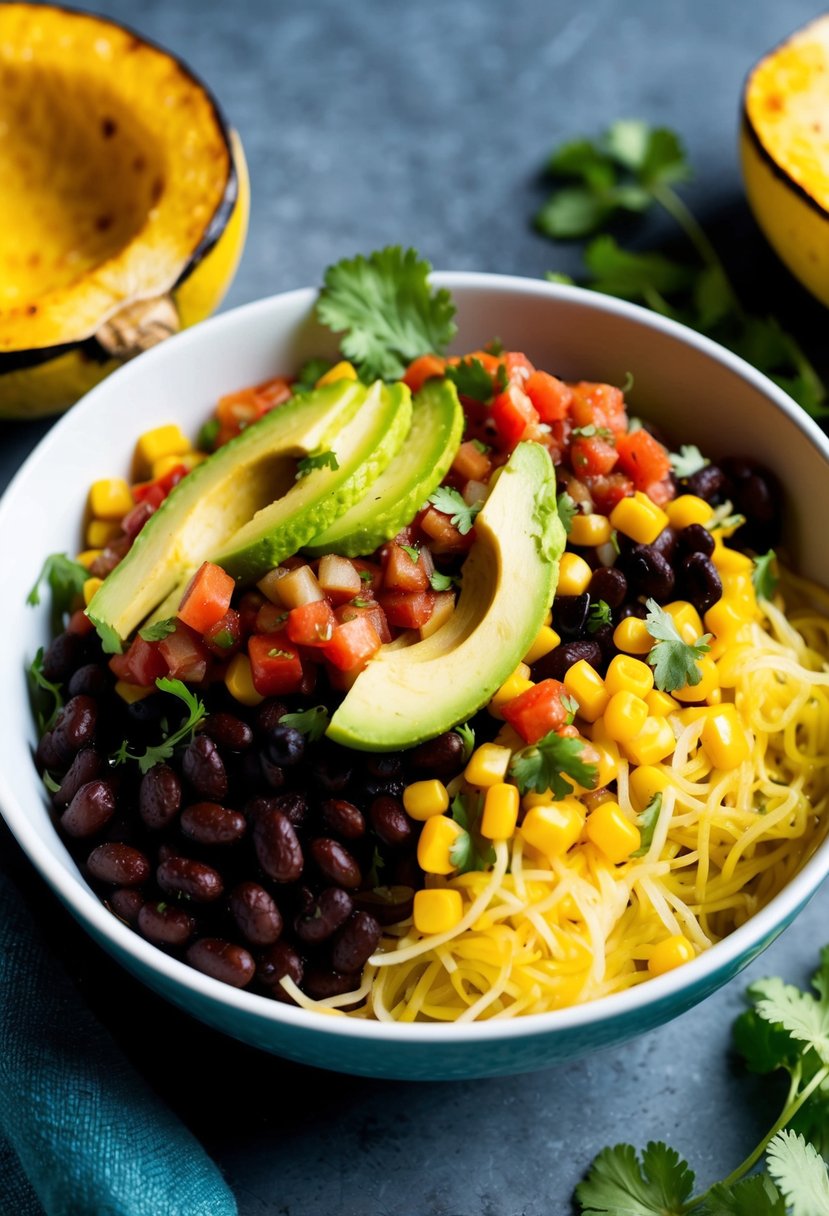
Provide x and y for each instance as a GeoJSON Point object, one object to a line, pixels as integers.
{"type": "Point", "coordinates": [185, 654]}
{"type": "Point", "coordinates": [371, 610]}
{"type": "Point", "coordinates": [421, 369]}
{"type": "Point", "coordinates": [407, 610]}
{"type": "Point", "coordinates": [550, 396]}
{"type": "Point", "coordinates": [207, 597]}
{"type": "Point", "coordinates": [606, 491]}
{"type": "Point", "coordinates": [643, 458]}
{"type": "Point", "coordinates": [224, 637]}
{"type": "Point", "coordinates": [401, 573]}
{"type": "Point", "coordinates": [512, 412]}
{"type": "Point", "coordinates": [352, 644]}
{"type": "Point", "coordinates": [537, 711]}
{"type": "Point", "coordinates": [311, 624]}
{"type": "Point", "coordinates": [275, 665]}
{"type": "Point", "coordinates": [592, 456]}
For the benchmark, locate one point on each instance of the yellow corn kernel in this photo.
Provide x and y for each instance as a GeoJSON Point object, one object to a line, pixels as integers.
{"type": "Point", "coordinates": [589, 530]}
{"type": "Point", "coordinates": [612, 832]}
{"type": "Point", "coordinates": [88, 556]}
{"type": "Point", "coordinates": [709, 680]}
{"type": "Point", "coordinates": [626, 674]}
{"type": "Point", "coordinates": [607, 762]}
{"type": "Point", "coordinates": [631, 635]}
{"type": "Point", "coordinates": [714, 697]}
{"type": "Point", "coordinates": [731, 561]}
{"type": "Point", "coordinates": [645, 783]}
{"type": "Point", "coordinates": [660, 704]}
{"type": "Point", "coordinates": [110, 498]}
{"type": "Point", "coordinates": [99, 532]}
{"type": "Point", "coordinates": [130, 693]}
{"type": "Point", "coordinates": [434, 846]}
{"type": "Point", "coordinates": [574, 575]}
{"type": "Point", "coordinates": [553, 828]}
{"type": "Point", "coordinates": [693, 714]}
{"type": "Point", "coordinates": [500, 811]}
{"type": "Point", "coordinates": [733, 659]}
{"type": "Point", "coordinates": [724, 620]}
{"type": "Point", "coordinates": [488, 765]}
{"type": "Point", "coordinates": [511, 688]}
{"type": "Point", "coordinates": [654, 742]}
{"type": "Point", "coordinates": [167, 440]}
{"type": "Point", "coordinates": [688, 509]}
{"type": "Point", "coordinates": [548, 619]}
{"type": "Point", "coordinates": [437, 910]}
{"type": "Point", "coordinates": [585, 684]}
{"type": "Point", "coordinates": [687, 620]}
{"type": "Point", "coordinates": [625, 716]}
{"type": "Point", "coordinates": [89, 588]}
{"type": "Point", "coordinates": [545, 640]}
{"type": "Point", "coordinates": [509, 737]}
{"type": "Point", "coordinates": [423, 799]}
{"type": "Point", "coordinates": [724, 739]}
{"type": "Point", "coordinates": [639, 518]}
{"type": "Point", "coordinates": [340, 371]}
{"type": "Point", "coordinates": [166, 464]}
{"type": "Point", "coordinates": [671, 952]}
{"type": "Point", "coordinates": [239, 681]}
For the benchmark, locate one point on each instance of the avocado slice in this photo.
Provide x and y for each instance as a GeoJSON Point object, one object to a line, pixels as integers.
{"type": "Point", "coordinates": [399, 492]}
{"type": "Point", "coordinates": [215, 500]}
{"type": "Point", "coordinates": [407, 695]}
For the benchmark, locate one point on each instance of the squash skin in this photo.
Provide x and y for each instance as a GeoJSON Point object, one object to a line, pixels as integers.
{"type": "Point", "coordinates": [193, 265]}
{"type": "Point", "coordinates": [785, 161]}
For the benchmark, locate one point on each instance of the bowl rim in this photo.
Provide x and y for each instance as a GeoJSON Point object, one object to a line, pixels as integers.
{"type": "Point", "coordinates": [726, 955]}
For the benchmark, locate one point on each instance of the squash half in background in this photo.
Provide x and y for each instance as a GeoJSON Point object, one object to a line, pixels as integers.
{"type": "Point", "coordinates": [785, 152]}
{"type": "Point", "coordinates": [123, 203]}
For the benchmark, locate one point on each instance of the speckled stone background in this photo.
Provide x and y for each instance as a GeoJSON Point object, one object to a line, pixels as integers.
{"type": "Point", "coordinates": [426, 123]}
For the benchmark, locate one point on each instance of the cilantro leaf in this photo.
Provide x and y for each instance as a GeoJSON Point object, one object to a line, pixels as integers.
{"type": "Point", "coordinates": [618, 1184]}
{"type": "Point", "coordinates": [688, 460]}
{"type": "Point", "coordinates": [309, 374]}
{"type": "Point", "coordinates": [599, 615]}
{"type": "Point", "coordinates": [311, 722]}
{"type": "Point", "coordinates": [572, 212]}
{"type": "Point", "coordinates": [755, 1196]}
{"type": "Point", "coordinates": [52, 701]}
{"type": "Point", "coordinates": [153, 755]}
{"type": "Point", "coordinates": [159, 630]}
{"type": "Point", "coordinates": [208, 434]}
{"type": "Point", "coordinates": [386, 310]}
{"type": "Point", "coordinates": [566, 510]}
{"type": "Point", "coordinates": [65, 579]}
{"type": "Point", "coordinates": [469, 850]}
{"type": "Point", "coordinates": [320, 460]}
{"type": "Point", "coordinates": [647, 822]}
{"type": "Point", "coordinates": [412, 552]}
{"type": "Point", "coordinates": [481, 447]}
{"type": "Point", "coordinates": [441, 582]}
{"type": "Point", "coordinates": [805, 1017]}
{"type": "Point", "coordinates": [467, 733]}
{"type": "Point", "coordinates": [800, 1174]}
{"type": "Point", "coordinates": [673, 660]}
{"type": "Point", "coordinates": [764, 576]}
{"type": "Point", "coordinates": [450, 502]}
{"type": "Point", "coordinates": [50, 783]}
{"type": "Point", "coordinates": [571, 705]}
{"type": "Point", "coordinates": [471, 379]}
{"type": "Point", "coordinates": [764, 1046]}
{"type": "Point", "coordinates": [542, 766]}
{"type": "Point", "coordinates": [591, 431]}
{"type": "Point", "coordinates": [634, 276]}
{"type": "Point", "coordinates": [377, 864]}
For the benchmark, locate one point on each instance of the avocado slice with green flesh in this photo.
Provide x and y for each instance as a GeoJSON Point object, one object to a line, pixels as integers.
{"type": "Point", "coordinates": [405, 485]}
{"type": "Point", "coordinates": [215, 500]}
{"type": "Point", "coordinates": [407, 695]}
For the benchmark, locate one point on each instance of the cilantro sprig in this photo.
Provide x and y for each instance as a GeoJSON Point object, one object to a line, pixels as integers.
{"type": "Point", "coordinates": [544, 765]}
{"type": "Point", "coordinates": [675, 662]}
{"type": "Point", "coordinates": [386, 311]}
{"type": "Point", "coordinates": [318, 460]}
{"type": "Point", "coordinates": [450, 502]}
{"type": "Point", "coordinates": [566, 510]}
{"type": "Point", "coordinates": [158, 752]}
{"type": "Point", "coordinates": [471, 379]}
{"type": "Point", "coordinates": [65, 579]}
{"type": "Point", "coordinates": [688, 460]}
{"type": "Point", "coordinates": [764, 575]}
{"type": "Point", "coordinates": [312, 723]}
{"type": "Point", "coordinates": [784, 1029]}
{"type": "Point", "coordinates": [158, 630]}
{"type": "Point", "coordinates": [47, 698]}
{"type": "Point", "coordinates": [470, 850]}
{"type": "Point", "coordinates": [630, 169]}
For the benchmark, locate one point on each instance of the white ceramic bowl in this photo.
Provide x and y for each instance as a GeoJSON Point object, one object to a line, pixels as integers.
{"type": "Point", "coordinates": [696, 391]}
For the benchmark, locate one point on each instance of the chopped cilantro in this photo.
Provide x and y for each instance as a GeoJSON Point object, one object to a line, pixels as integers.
{"type": "Point", "coordinates": [566, 510]}
{"type": "Point", "coordinates": [358, 602]}
{"type": "Point", "coordinates": [183, 733]}
{"type": "Point", "coordinates": [50, 783]}
{"type": "Point", "coordinates": [311, 722]}
{"type": "Point", "coordinates": [647, 822]}
{"type": "Point", "coordinates": [65, 579]}
{"type": "Point", "coordinates": [599, 615]}
{"type": "Point", "coordinates": [481, 447]}
{"type": "Point", "coordinates": [688, 460]}
{"type": "Point", "coordinates": [310, 373]}
{"type": "Point", "coordinates": [495, 347]}
{"type": "Point", "coordinates": [276, 653]}
{"type": "Point", "coordinates": [453, 504]}
{"type": "Point", "coordinates": [377, 864]}
{"type": "Point", "coordinates": [674, 661]}
{"type": "Point", "coordinates": [544, 764]}
{"type": "Point", "coordinates": [471, 379]}
{"type": "Point", "coordinates": [412, 552]}
{"type": "Point", "coordinates": [320, 460]}
{"type": "Point", "coordinates": [467, 734]}
{"type": "Point", "coordinates": [47, 698]}
{"type": "Point", "coordinates": [386, 311]}
{"type": "Point", "coordinates": [441, 582]}
{"type": "Point", "coordinates": [591, 431]}
{"type": "Point", "coordinates": [207, 436]}
{"type": "Point", "coordinates": [571, 705]}
{"type": "Point", "coordinates": [470, 850]}
{"type": "Point", "coordinates": [627, 387]}
{"type": "Point", "coordinates": [366, 576]}
{"type": "Point", "coordinates": [764, 575]}
{"type": "Point", "coordinates": [155, 633]}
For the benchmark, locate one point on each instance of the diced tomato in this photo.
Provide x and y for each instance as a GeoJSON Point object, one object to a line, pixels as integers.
{"type": "Point", "coordinates": [271, 393]}
{"type": "Point", "coordinates": [372, 583]}
{"type": "Point", "coordinates": [270, 618]}
{"type": "Point", "coordinates": [224, 637]}
{"type": "Point", "coordinates": [512, 412]}
{"type": "Point", "coordinates": [599, 405]}
{"type": "Point", "coordinates": [592, 456]}
{"type": "Point", "coordinates": [443, 534]}
{"type": "Point", "coordinates": [550, 396]}
{"type": "Point", "coordinates": [489, 362]}
{"type": "Point", "coordinates": [156, 491]}
{"type": "Point", "coordinates": [145, 663]}
{"type": "Point", "coordinates": [643, 458]}
{"type": "Point", "coordinates": [352, 644]}
{"type": "Point", "coordinates": [237, 410]}
{"type": "Point", "coordinates": [207, 597]}
{"type": "Point", "coordinates": [537, 711]}
{"type": "Point", "coordinates": [421, 369]}
{"type": "Point", "coordinates": [661, 492]}
{"type": "Point", "coordinates": [401, 573]}
{"type": "Point", "coordinates": [471, 463]}
{"type": "Point", "coordinates": [339, 578]}
{"type": "Point", "coordinates": [79, 623]}
{"type": "Point", "coordinates": [606, 491]}
{"type": "Point", "coordinates": [146, 494]}
{"type": "Point", "coordinates": [185, 654]}
{"type": "Point", "coordinates": [275, 665]}
{"type": "Point", "coordinates": [311, 624]}
{"type": "Point", "coordinates": [370, 609]}
{"type": "Point", "coordinates": [407, 610]}
{"type": "Point", "coordinates": [518, 367]}
{"type": "Point", "coordinates": [119, 666]}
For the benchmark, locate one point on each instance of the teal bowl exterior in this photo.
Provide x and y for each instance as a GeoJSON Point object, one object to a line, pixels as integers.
{"type": "Point", "coordinates": [689, 386]}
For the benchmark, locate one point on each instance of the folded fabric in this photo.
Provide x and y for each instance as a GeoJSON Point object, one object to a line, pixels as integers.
{"type": "Point", "coordinates": [85, 1134]}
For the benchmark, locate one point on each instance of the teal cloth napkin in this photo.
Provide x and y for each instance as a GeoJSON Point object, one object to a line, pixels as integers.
{"type": "Point", "coordinates": [81, 1133]}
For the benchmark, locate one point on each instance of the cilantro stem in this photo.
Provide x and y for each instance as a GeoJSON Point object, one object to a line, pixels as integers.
{"type": "Point", "coordinates": [696, 234]}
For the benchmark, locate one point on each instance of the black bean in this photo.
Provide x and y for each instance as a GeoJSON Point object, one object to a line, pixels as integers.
{"type": "Point", "coordinates": [204, 768]}
{"type": "Point", "coordinates": [209, 823]}
{"type": "Point", "coordinates": [75, 725]}
{"type": "Point", "coordinates": [384, 765]}
{"type": "Point", "coordinates": [324, 916]}
{"type": "Point", "coordinates": [696, 539]}
{"type": "Point", "coordinates": [273, 775]}
{"type": "Point", "coordinates": [89, 680]}
{"type": "Point", "coordinates": [609, 584]}
{"type": "Point", "coordinates": [269, 713]}
{"type": "Point", "coordinates": [285, 746]}
{"type": "Point", "coordinates": [278, 961]}
{"type": "Point", "coordinates": [603, 637]}
{"type": "Point", "coordinates": [738, 468]}
{"type": "Point", "coordinates": [388, 905]}
{"type": "Point", "coordinates": [149, 711]}
{"type": "Point", "coordinates": [405, 872]}
{"type": "Point", "coordinates": [442, 756]}
{"type": "Point", "coordinates": [570, 613]}
{"type": "Point", "coordinates": [390, 821]}
{"type": "Point", "coordinates": [756, 499]}
{"type": "Point", "coordinates": [49, 756]}
{"type": "Point", "coordinates": [126, 903]}
{"type": "Point", "coordinates": [165, 924]}
{"type": "Point", "coordinates": [62, 656]}
{"type": "Point", "coordinates": [86, 765]}
{"type": "Point", "coordinates": [292, 804]}
{"type": "Point", "coordinates": [343, 819]}
{"type": "Point", "coordinates": [665, 543]}
{"type": "Point", "coordinates": [193, 879]}
{"type": "Point", "coordinates": [332, 771]}
{"type": "Point", "coordinates": [321, 983]}
{"type": "Point", "coordinates": [119, 864]}
{"type": "Point", "coordinates": [228, 731]}
{"type": "Point", "coordinates": [277, 846]}
{"type": "Point", "coordinates": [90, 810]}
{"type": "Point", "coordinates": [700, 581]}
{"type": "Point", "coordinates": [159, 796]}
{"type": "Point", "coordinates": [221, 960]}
{"type": "Point", "coordinates": [649, 573]}
{"type": "Point", "coordinates": [355, 942]}
{"type": "Point", "coordinates": [707, 483]}
{"type": "Point", "coordinates": [336, 863]}
{"type": "Point", "coordinates": [256, 914]}
{"type": "Point", "coordinates": [632, 608]}
{"type": "Point", "coordinates": [553, 666]}
{"type": "Point", "coordinates": [370, 788]}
